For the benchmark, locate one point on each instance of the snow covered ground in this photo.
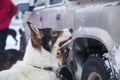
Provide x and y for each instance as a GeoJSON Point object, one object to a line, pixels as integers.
{"type": "Point", "coordinates": [117, 59]}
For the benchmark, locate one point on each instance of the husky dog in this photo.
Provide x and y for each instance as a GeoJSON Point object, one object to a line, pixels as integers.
{"type": "Point", "coordinates": [39, 62]}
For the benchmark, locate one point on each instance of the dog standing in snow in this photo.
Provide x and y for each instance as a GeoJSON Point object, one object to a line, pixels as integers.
{"type": "Point", "coordinates": [39, 62]}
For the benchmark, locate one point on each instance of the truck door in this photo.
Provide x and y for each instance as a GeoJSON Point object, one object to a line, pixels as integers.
{"type": "Point", "coordinates": [52, 14]}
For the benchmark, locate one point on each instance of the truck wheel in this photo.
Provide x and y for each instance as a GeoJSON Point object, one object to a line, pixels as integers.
{"type": "Point", "coordinates": [96, 69]}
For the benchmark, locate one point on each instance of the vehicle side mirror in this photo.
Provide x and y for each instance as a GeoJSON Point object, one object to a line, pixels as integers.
{"type": "Point", "coordinates": [24, 7]}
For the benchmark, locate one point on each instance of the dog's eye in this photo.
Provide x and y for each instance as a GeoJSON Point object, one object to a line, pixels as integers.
{"type": "Point", "coordinates": [54, 33]}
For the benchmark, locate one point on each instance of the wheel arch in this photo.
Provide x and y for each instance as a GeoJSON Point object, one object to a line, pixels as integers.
{"type": "Point", "coordinates": [88, 41]}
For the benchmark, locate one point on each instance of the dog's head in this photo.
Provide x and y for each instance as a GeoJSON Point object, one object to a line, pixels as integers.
{"type": "Point", "coordinates": [48, 38]}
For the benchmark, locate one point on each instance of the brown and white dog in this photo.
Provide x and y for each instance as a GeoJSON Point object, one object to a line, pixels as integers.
{"type": "Point", "coordinates": [39, 62]}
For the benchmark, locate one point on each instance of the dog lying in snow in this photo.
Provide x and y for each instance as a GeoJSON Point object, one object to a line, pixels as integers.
{"type": "Point", "coordinates": [39, 62]}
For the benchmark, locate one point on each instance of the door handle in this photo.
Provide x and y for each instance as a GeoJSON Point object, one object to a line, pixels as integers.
{"type": "Point", "coordinates": [58, 16]}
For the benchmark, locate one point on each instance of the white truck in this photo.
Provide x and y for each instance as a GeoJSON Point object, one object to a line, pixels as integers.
{"type": "Point", "coordinates": [95, 49]}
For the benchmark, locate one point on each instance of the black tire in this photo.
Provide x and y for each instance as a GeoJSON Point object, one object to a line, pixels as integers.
{"type": "Point", "coordinates": [96, 69]}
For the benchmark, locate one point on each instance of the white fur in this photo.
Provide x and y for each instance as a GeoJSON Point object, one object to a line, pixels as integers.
{"type": "Point", "coordinates": [24, 70]}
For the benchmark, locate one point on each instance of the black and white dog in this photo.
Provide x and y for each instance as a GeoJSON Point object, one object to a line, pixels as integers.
{"type": "Point", "coordinates": [39, 62]}
{"type": "Point", "coordinates": [13, 33]}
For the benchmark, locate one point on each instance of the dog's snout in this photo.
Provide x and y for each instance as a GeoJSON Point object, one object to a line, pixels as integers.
{"type": "Point", "coordinates": [71, 30]}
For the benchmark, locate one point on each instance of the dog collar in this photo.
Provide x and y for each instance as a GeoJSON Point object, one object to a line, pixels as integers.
{"type": "Point", "coordinates": [45, 68]}
{"type": "Point", "coordinates": [60, 76]}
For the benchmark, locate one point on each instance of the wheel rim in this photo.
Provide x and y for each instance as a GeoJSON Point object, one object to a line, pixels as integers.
{"type": "Point", "coordinates": [94, 76]}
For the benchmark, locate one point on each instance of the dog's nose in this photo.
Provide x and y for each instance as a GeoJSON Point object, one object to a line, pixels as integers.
{"type": "Point", "coordinates": [71, 30]}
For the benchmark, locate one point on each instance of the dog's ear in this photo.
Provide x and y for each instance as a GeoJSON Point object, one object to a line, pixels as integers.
{"type": "Point", "coordinates": [36, 36]}
{"type": "Point", "coordinates": [32, 28]}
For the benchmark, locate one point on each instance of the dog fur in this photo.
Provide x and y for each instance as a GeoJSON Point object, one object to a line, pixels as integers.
{"type": "Point", "coordinates": [8, 58]}
{"type": "Point", "coordinates": [41, 52]}
{"type": "Point", "coordinates": [62, 56]}
{"type": "Point", "coordinates": [13, 33]}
